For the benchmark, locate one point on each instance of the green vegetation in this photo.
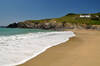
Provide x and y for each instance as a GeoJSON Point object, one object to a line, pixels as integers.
{"type": "Point", "coordinates": [74, 19]}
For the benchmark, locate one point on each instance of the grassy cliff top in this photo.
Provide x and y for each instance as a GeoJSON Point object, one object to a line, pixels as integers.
{"type": "Point", "coordinates": [94, 19]}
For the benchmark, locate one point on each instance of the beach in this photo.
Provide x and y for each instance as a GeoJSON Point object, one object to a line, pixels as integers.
{"type": "Point", "coordinates": [81, 50]}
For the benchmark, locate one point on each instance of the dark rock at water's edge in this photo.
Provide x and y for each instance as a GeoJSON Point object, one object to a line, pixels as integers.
{"type": "Point", "coordinates": [13, 25]}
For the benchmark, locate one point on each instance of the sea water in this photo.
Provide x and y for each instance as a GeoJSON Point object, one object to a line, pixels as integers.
{"type": "Point", "coordinates": [20, 45]}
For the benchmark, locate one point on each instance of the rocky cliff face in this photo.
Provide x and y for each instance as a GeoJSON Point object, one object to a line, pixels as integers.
{"type": "Point", "coordinates": [69, 21]}
{"type": "Point", "coordinates": [52, 25]}
{"type": "Point", "coordinates": [37, 25]}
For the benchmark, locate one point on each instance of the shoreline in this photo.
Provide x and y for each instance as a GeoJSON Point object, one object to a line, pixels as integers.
{"type": "Point", "coordinates": [29, 44]}
{"type": "Point", "coordinates": [46, 48]}
{"type": "Point", "coordinates": [76, 52]}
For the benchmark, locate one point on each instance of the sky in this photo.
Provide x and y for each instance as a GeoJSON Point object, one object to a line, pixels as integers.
{"type": "Point", "coordinates": [19, 10]}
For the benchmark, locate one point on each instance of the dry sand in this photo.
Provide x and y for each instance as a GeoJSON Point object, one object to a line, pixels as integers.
{"type": "Point", "coordinates": [82, 50]}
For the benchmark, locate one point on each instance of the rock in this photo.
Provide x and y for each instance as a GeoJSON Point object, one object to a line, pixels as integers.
{"type": "Point", "coordinates": [52, 25]}
{"type": "Point", "coordinates": [13, 25]}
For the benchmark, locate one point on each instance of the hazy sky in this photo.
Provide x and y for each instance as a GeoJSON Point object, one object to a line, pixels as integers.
{"type": "Point", "coordinates": [20, 10]}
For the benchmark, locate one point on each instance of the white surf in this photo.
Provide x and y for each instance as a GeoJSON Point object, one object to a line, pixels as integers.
{"type": "Point", "coordinates": [17, 49]}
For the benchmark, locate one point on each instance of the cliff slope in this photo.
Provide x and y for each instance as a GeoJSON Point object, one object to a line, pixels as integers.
{"type": "Point", "coordinates": [69, 21]}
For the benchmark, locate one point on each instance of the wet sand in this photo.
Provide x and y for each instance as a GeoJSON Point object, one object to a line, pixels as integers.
{"type": "Point", "coordinates": [82, 50]}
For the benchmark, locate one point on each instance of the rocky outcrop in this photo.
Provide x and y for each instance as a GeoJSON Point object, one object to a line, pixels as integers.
{"type": "Point", "coordinates": [38, 25]}
{"type": "Point", "coordinates": [52, 25]}
{"type": "Point", "coordinates": [13, 25]}
{"type": "Point", "coordinates": [69, 21]}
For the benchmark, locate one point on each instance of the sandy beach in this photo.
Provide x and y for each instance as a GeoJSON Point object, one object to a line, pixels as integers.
{"type": "Point", "coordinates": [82, 50]}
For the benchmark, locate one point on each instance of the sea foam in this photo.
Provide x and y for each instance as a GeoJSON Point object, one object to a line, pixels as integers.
{"type": "Point", "coordinates": [18, 49]}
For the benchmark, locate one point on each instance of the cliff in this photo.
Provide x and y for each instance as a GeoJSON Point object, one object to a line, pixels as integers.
{"type": "Point", "coordinates": [69, 21]}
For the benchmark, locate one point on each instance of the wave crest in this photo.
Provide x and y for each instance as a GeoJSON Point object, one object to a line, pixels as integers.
{"type": "Point", "coordinates": [18, 49]}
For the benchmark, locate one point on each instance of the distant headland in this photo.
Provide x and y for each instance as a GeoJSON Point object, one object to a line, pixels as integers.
{"type": "Point", "coordinates": [69, 21]}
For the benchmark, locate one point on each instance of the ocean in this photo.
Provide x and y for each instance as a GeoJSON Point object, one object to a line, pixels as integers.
{"type": "Point", "coordinates": [20, 45]}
